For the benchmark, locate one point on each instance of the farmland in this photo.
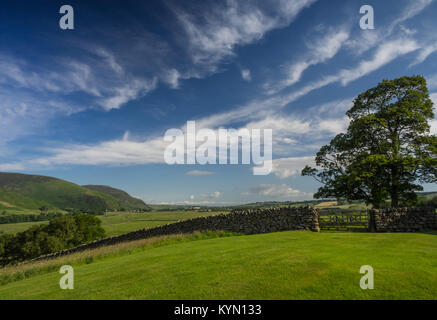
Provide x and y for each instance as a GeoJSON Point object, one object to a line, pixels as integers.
{"type": "Point", "coordinates": [116, 223]}
{"type": "Point", "coordinates": [284, 265]}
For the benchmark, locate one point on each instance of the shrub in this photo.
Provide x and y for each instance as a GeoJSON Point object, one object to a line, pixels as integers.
{"type": "Point", "coordinates": [61, 233]}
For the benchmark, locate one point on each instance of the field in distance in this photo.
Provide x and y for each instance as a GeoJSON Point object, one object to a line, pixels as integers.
{"type": "Point", "coordinates": [283, 265]}
{"type": "Point", "coordinates": [116, 223]}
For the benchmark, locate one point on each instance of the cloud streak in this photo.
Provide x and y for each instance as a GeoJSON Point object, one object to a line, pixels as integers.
{"type": "Point", "coordinates": [219, 27]}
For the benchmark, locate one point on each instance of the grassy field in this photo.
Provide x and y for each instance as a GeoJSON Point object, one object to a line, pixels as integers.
{"type": "Point", "coordinates": [285, 265]}
{"type": "Point", "coordinates": [116, 223]}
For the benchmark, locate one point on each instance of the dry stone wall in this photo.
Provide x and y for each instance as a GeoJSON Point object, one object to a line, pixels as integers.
{"type": "Point", "coordinates": [247, 222]}
{"type": "Point", "coordinates": [403, 219]}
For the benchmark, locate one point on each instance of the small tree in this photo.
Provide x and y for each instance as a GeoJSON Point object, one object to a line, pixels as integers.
{"type": "Point", "coordinates": [387, 149]}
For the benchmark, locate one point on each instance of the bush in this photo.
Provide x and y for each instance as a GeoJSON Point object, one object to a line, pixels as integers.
{"type": "Point", "coordinates": [61, 233]}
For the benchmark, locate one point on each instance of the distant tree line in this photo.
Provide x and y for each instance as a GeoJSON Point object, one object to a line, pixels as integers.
{"type": "Point", "coordinates": [61, 233]}
{"type": "Point", "coordinates": [17, 218]}
{"type": "Point", "coordinates": [428, 202]}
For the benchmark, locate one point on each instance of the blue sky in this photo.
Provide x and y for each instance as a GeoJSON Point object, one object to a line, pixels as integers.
{"type": "Point", "coordinates": [91, 105]}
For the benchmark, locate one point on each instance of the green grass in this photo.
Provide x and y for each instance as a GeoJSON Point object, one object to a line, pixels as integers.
{"type": "Point", "coordinates": [116, 223]}
{"type": "Point", "coordinates": [12, 201]}
{"type": "Point", "coordinates": [285, 265]}
{"type": "Point", "coordinates": [33, 191]}
{"type": "Point", "coordinates": [19, 227]}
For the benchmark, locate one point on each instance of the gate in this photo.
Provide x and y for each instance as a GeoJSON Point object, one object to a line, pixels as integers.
{"type": "Point", "coordinates": [344, 219]}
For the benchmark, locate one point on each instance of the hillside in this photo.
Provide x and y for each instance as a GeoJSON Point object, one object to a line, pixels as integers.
{"type": "Point", "coordinates": [283, 265]}
{"type": "Point", "coordinates": [10, 200]}
{"type": "Point", "coordinates": [23, 191]}
{"type": "Point", "coordinates": [126, 200]}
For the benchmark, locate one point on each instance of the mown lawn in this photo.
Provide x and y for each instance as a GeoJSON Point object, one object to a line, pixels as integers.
{"type": "Point", "coordinates": [285, 265]}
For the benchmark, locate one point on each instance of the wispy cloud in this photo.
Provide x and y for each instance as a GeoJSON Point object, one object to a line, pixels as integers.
{"type": "Point", "coordinates": [215, 31]}
{"type": "Point", "coordinates": [386, 53]}
{"type": "Point", "coordinates": [319, 51]}
{"type": "Point", "coordinates": [214, 195]}
{"type": "Point", "coordinates": [371, 38]}
{"type": "Point", "coordinates": [278, 191]}
{"type": "Point", "coordinates": [257, 108]}
{"type": "Point", "coordinates": [200, 173]}
{"type": "Point", "coordinates": [245, 74]}
{"type": "Point", "coordinates": [424, 53]}
{"type": "Point", "coordinates": [289, 167]}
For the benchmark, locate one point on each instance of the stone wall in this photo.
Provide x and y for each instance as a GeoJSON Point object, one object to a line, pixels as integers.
{"type": "Point", "coordinates": [403, 219]}
{"type": "Point", "coordinates": [247, 222]}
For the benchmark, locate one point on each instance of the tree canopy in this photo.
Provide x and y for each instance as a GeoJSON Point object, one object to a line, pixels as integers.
{"type": "Point", "coordinates": [61, 233]}
{"type": "Point", "coordinates": [387, 151]}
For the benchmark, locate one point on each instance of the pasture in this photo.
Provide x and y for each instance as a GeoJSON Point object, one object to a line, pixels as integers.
{"type": "Point", "coordinates": [283, 265]}
{"type": "Point", "coordinates": [116, 223]}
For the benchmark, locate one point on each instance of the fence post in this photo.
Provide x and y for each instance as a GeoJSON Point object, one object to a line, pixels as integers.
{"type": "Point", "coordinates": [372, 222]}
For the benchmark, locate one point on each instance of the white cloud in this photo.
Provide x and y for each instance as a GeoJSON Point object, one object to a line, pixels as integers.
{"type": "Point", "coordinates": [433, 97]}
{"type": "Point", "coordinates": [245, 74]}
{"type": "Point", "coordinates": [371, 38]}
{"type": "Point", "coordinates": [258, 108]}
{"type": "Point", "coordinates": [413, 8]}
{"type": "Point", "coordinates": [192, 197]}
{"type": "Point", "coordinates": [11, 167]}
{"type": "Point", "coordinates": [431, 82]}
{"type": "Point", "coordinates": [386, 53]}
{"type": "Point", "coordinates": [111, 61]}
{"type": "Point", "coordinates": [172, 77]}
{"type": "Point", "coordinates": [277, 191]}
{"type": "Point", "coordinates": [214, 195]}
{"type": "Point", "coordinates": [319, 51]}
{"type": "Point", "coordinates": [199, 173]}
{"type": "Point", "coordinates": [109, 153]}
{"type": "Point", "coordinates": [424, 53]}
{"type": "Point", "coordinates": [292, 134]}
{"type": "Point", "coordinates": [288, 167]}
{"type": "Point", "coordinates": [433, 129]}
{"type": "Point", "coordinates": [132, 90]}
{"type": "Point", "coordinates": [215, 31]}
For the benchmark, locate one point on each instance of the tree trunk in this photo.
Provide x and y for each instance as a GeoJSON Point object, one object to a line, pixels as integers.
{"type": "Point", "coordinates": [394, 200]}
{"type": "Point", "coordinates": [394, 192]}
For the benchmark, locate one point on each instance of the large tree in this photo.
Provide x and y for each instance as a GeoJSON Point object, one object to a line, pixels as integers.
{"type": "Point", "coordinates": [387, 150]}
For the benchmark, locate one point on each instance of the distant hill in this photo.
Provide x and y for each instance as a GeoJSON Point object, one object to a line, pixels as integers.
{"type": "Point", "coordinates": [126, 200]}
{"type": "Point", "coordinates": [276, 204]}
{"type": "Point", "coordinates": [24, 191]}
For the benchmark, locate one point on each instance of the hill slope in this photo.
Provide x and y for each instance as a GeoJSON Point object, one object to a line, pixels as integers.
{"type": "Point", "coordinates": [126, 200]}
{"type": "Point", "coordinates": [284, 265]}
{"type": "Point", "coordinates": [32, 191]}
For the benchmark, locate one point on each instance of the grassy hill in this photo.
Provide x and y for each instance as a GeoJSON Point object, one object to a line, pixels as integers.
{"type": "Point", "coordinates": [126, 200]}
{"type": "Point", "coordinates": [284, 265]}
{"type": "Point", "coordinates": [10, 200]}
{"type": "Point", "coordinates": [24, 191]}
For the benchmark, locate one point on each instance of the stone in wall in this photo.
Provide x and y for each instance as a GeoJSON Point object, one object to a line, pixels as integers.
{"type": "Point", "coordinates": [404, 219]}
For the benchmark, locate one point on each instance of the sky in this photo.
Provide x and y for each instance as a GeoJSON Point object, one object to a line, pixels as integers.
{"type": "Point", "coordinates": [92, 105]}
